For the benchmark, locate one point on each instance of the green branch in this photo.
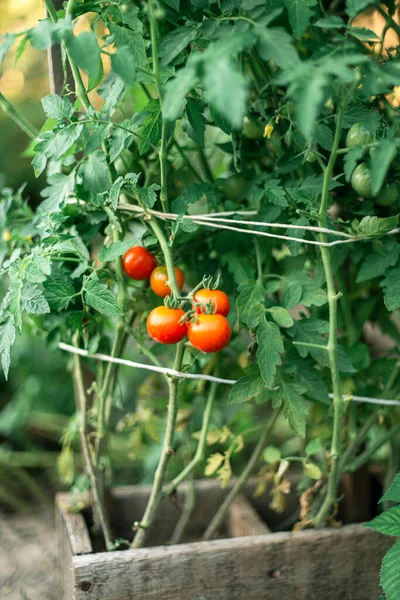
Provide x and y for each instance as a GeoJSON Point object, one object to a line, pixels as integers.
{"type": "Point", "coordinates": [16, 115]}
{"type": "Point", "coordinates": [156, 492]}
{"type": "Point", "coordinates": [333, 296]}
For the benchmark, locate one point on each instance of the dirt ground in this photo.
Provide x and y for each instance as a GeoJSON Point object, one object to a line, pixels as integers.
{"type": "Point", "coordinates": [28, 550]}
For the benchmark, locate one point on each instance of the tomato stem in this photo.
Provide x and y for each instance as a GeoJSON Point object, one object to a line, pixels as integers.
{"type": "Point", "coordinates": [332, 348]}
{"type": "Point", "coordinates": [201, 447]}
{"type": "Point", "coordinates": [81, 406]}
{"type": "Point", "coordinates": [156, 492]}
{"type": "Point", "coordinates": [18, 118]}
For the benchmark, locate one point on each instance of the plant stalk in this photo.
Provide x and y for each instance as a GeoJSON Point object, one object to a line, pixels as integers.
{"type": "Point", "coordinates": [81, 405]}
{"type": "Point", "coordinates": [16, 115]}
{"type": "Point", "coordinates": [156, 492]}
{"type": "Point", "coordinates": [333, 296]}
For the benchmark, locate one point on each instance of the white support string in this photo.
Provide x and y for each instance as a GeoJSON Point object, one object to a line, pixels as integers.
{"type": "Point", "coordinates": [214, 220]}
{"type": "Point", "coordinates": [174, 373]}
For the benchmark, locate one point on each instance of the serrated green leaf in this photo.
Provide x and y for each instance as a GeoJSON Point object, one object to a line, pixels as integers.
{"type": "Point", "coordinates": [57, 193]}
{"type": "Point", "coordinates": [99, 297]}
{"type": "Point", "coordinates": [85, 52]}
{"type": "Point", "coordinates": [151, 130]}
{"type": "Point", "coordinates": [391, 288]}
{"type": "Point", "coordinates": [110, 253]}
{"type": "Point", "coordinates": [250, 293]}
{"type": "Point", "coordinates": [59, 294]}
{"type": "Point", "coordinates": [390, 573]}
{"type": "Point", "coordinates": [272, 454]}
{"type": "Point", "coordinates": [225, 88]}
{"type": "Point", "coordinates": [374, 264]}
{"type": "Point", "coordinates": [295, 408]}
{"type": "Point", "coordinates": [313, 447]}
{"type": "Point", "coordinates": [372, 226]}
{"type": "Point", "coordinates": [7, 41]}
{"type": "Point", "coordinates": [98, 136]}
{"type": "Point", "coordinates": [388, 522]}
{"type": "Point", "coordinates": [175, 92]}
{"type": "Point", "coordinates": [270, 346]}
{"type": "Point", "coordinates": [393, 492]}
{"type": "Point", "coordinates": [57, 108]}
{"type": "Point", "coordinates": [125, 37]}
{"type": "Point", "coordinates": [123, 64]}
{"type": "Point", "coordinates": [245, 389]}
{"type": "Point", "coordinates": [276, 44]}
{"type": "Point", "coordinates": [196, 126]}
{"type": "Point", "coordinates": [175, 42]}
{"type": "Point", "coordinates": [300, 14]}
{"type": "Point", "coordinates": [281, 316]}
{"type": "Point", "coordinates": [95, 173]}
{"type": "Point", "coordinates": [381, 158]}
{"type": "Point", "coordinates": [115, 191]}
{"type": "Point", "coordinates": [353, 7]}
{"type": "Point", "coordinates": [119, 140]}
{"type": "Point", "coordinates": [312, 470]}
{"type": "Point", "coordinates": [7, 339]}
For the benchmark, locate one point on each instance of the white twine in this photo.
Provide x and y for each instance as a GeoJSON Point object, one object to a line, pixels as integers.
{"type": "Point", "coordinates": [174, 373]}
{"type": "Point", "coordinates": [214, 220]}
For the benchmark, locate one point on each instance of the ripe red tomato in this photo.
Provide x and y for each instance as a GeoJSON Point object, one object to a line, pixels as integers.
{"type": "Point", "coordinates": [163, 325]}
{"type": "Point", "coordinates": [158, 281]}
{"type": "Point", "coordinates": [209, 333]}
{"type": "Point", "coordinates": [138, 263]}
{"type": "Point", "coordinates": [219, 301]}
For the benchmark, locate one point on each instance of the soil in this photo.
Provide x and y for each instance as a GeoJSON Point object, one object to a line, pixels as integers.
{"type": "Point", "coordinates": [28, 553]}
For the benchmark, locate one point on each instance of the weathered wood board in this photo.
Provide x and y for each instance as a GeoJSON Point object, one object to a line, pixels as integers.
{"type": "Point", "coordinates": [334, 564]}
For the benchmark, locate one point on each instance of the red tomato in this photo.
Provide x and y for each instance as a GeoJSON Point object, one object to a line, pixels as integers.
{"type": "Point", "coordinates": [219, 301]}
{"type": "Point", "coordinates": [164, 327]}
{"type": "Point", "coordinates": [138, 263]}
{"type": "Point", "coordinates": [158, 280]}
{"type": "Point", "coordinates": [209, 333]}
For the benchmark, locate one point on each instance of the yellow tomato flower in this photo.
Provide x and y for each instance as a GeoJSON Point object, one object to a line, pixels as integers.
{"type": "Point", "coordinates": [268, 130]}
{"type": "Point", "coordinates": [6, 236]}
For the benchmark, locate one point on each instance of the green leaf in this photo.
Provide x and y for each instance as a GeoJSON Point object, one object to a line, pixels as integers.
{"type": "Point", "coordinates": [324, 136]}
{"type": "Point", "coordinates": [276, 195]}
{"type": "Point", "coordinates": [270, 346]}
{"type": "Point", "coordinates": [276, 44]}
{"type": "Point", "coordinates": [175, 42]}
{"type": "Point", "coordinates": [381, 158]}
{"type": "Point", "coordinates": [220, 121]}
{"type": "Point", "coordinates": [300, 13]}
{"type": "Point", "coordinates": [95, 174]}
{"type": "Point", "coordinates": [272, 454]}
{"type": "Point", "coordinates": [85, 52]}
{"type": "Point", "coordinates": [99, 297]}
{"type": "Point", "coordinates": [353, 7]}
{"type": "Point", "coordinates": [148, 195]}
{"type": "Point", "coordinates": [46, 33]}
{"type": "Point", "coordinates": [151, 130]}
{"type": "Point", "coordinates": [119, 141]}
{"type": "Point", "coordinates": [351, 159]}
{"type": "Point", "coordinates": [115, 192]}
{"type": "Point", "coordinates": [250, 293]}
{"type": "Point", "coordinates": [374, 226]}
{"type": "Point", "coordinates": [391, 288]}
{"type": "Point", "coordinates": [98, 136]}
{"type": "Point", "coordinates": [61, 186]}
{"type": "Point", "coordinates": [59, 294]}
{"type": "Point", "coordinates": [311, 293]}
{"type": "Point", "coordinates": [59, 142]}
{"type": "Point", "coordinates": [388, 522]}
{"type": "Point", "coordinates": [127, 38]}
{"type": "Point", "coordinates": [173, 4]}
{"type": "Point", "coordinates": [57, 108]}
{"type": "Point", "coordinates": [393, 492]}
{"type": "Point", "coordinates": [390, 573]}
{"type": "Point", "coordinates": [33, 300]}
{"type": "Point", "coordinates": [175, 92]}
{"type": "Point", "coordinates": [312, 470]}
{"type": "Point", "coordinates": [310, 331]}
{"type": "Point", "coordinates": [7, 339]}
{"type": "Point", "coordinates": [123, 64]}
{"type": "Point", "coordinates": [313, 447]}
{"type": "Point", "coordinates": [295, 408]}
{"type": "Point", "coordinates": [281, 316]}
{"type": "Point", "coordinates": [374, 264]}
{"type": "Point", "coordinates": [196, 126]}
{"type": "Point", "coordinates": [192, 194]}
{"type": "Point", "coordinates": [110, 253]}
{"type": "Point", "coordinates": [246, 388]}
{"type": "Point", "coordinates": [225, 88]}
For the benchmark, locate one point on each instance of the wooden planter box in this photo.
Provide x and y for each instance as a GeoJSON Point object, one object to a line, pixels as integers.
{"type": "Point", "coordinates": [248, 563]}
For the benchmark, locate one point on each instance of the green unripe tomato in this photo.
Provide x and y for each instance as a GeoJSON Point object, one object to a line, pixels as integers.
{"type": "Point", "coordinates": [359, 135]}
{"type": "Point", "coordinates": [252, 130]}
{"type": "Point", "coordinates": [234, 187]}
{"type": "Point", "coordinates": [361, 181]}
{"type": "Point", "coordinates": [310, 156]}
{"type": "Point", "coordinates": [388, 195]}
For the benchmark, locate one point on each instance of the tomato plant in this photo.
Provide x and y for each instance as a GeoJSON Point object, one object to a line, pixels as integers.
{"type": "Point", "coordinates": [227, 138]}
{"type": "Point", "coordinates": [138, 263]}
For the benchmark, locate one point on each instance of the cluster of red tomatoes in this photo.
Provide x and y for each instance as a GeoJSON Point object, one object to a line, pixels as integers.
{"type": "Point", "coordinates": [208, 332]}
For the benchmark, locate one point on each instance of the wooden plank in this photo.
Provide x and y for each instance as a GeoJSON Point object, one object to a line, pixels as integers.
{"type": "Point", "coordinates": [74, 524]}
{"type": "Point", "coordinates": [333, 564]}
{"type": "Point", "coordinates": [243, 519]}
